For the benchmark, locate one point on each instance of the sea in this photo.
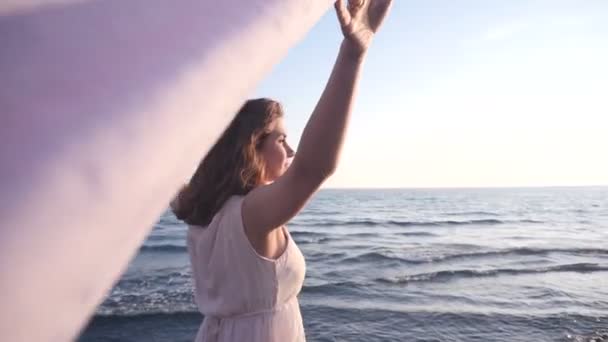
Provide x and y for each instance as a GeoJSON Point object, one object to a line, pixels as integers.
{"type": "Point", "coordinates": [487, 264]}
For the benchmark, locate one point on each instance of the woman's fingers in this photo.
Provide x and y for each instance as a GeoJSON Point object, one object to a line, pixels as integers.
{"type": "Point", "coordinates": [366, 15]}
{"type": "Point", "coordinates": [378, 12]}
{"type": "Point", "coordinates": [342, 12]}
{"type": "Point", "coordinates": [355, 6]}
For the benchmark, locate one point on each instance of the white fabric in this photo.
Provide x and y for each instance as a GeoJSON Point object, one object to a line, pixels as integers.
{"type": "Point", "coordinates": [107, 106]}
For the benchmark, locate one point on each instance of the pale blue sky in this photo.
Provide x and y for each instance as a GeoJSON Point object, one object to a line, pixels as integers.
{"type": "Point", "coordinates": [466, 93]}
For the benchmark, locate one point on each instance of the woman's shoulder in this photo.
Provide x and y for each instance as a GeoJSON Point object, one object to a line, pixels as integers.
{"type": "Point", "coordinates": [235, 198]}
{"type": "Point", "coordinates": [228, 211]}
{"type": "Point", "coordinates": [232, 204]}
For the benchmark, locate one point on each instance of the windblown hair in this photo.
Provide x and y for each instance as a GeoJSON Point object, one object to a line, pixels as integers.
{"type": "Point", "coordinates": [233, 166]}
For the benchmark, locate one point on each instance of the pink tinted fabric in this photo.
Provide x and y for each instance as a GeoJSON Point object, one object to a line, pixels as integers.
{"type": "Point", "coordinates": [244, 296]}
{"type": "Point", "coordinates": [107, 124]}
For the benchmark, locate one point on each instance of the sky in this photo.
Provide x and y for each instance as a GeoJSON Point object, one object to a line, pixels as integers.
{"type": "Point", "coordinates": [465, 94]}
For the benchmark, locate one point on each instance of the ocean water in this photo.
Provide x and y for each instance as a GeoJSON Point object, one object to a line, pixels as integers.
{"type": "Point", "coordinates": [525, 264]}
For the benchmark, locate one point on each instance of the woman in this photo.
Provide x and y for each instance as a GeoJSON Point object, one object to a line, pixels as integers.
{"type": "Point", "coordinates": [247, 269]}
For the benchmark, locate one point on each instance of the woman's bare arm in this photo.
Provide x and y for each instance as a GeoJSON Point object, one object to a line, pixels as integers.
{"type": "Point", "coordinates": [269, 207]}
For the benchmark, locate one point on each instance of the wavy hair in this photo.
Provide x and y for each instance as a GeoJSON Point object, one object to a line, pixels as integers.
{"type": "Point", "coordinates": [233, 166]}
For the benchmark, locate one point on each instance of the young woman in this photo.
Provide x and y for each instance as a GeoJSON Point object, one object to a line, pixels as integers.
{"type": "Point", "coordinates": [247, 269]}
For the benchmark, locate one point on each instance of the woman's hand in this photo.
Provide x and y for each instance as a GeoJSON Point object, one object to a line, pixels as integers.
{"type": "Point", "coordinates": [360, 20]}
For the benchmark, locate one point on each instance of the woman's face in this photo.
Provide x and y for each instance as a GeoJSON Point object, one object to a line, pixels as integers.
{"type": "Point", "coordinates": [275, 151]}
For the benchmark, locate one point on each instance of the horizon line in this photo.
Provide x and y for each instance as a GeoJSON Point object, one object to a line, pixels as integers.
{"type": "Point", "coordinates": [468, 187]}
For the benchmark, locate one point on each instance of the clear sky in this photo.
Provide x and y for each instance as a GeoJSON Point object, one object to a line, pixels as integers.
{"type": "Point", "coordinates": [466, 93]}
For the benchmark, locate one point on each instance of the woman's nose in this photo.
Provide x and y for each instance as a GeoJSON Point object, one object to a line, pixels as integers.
{"type": "Point", "coordinates": [290, 152]}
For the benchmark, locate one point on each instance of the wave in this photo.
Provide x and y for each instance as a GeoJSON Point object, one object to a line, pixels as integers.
{"type": "Point", "coordinates": [364, 235]}
{"type": "Point", "coordinates": [339, 288]}
{"type": "Point", "coordinates": [396, 223]}
{"type": "Point", "coordinates": [303, 234]}
{"type": "Point", "coordinates": [310, 237]}
{"type": "Point", "coordinates": [468, 213]}
{"type": "Point", "coordinates": [527, 221]}
{"type": "Point", "coordinates": [332, 310]}
{"type": "Point", "coordinates": [153, 237]}
{"type": "Point", "coordinates": [319, 212]}
{"type": "Point", "coordinates": [332, 320]}
{"type": "Point", "coordinates": [164, 248]}
{"type": "Point", "coordinates": [303, 237]}
{"type": "Point", "coordinates": [315, 241]}
{"type": "Point", "coordinates": [324, 257]}
{"type": "Point", "coordinates": [526, 251]}
{"type": "Point", "coordinates": [161, 316]}
{"type": "Point", "coordinates": [599, 335]}
{"type": "Point", "coordinates": [378, 257]}
{"type": "Point", "coordinates": [448, 275]}
{"type": "Point", "coordinates": [416, 234]}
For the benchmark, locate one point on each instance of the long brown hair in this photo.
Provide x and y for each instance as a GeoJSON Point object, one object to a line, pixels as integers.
{"type": "Point", "coordinates": [233, 166]}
